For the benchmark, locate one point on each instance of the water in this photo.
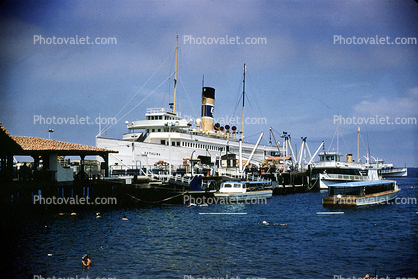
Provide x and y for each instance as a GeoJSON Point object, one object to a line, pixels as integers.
{"type": "Point", "coordinates": [178, 242]}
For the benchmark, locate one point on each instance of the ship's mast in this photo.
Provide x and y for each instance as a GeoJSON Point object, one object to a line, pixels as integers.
{"type": "Point", "coordinates": [358, 141]}
{"type": "Point", "coordinates": [175, 76]}
{"type": "Point", "coordinates": [243, 99]}
{"type": "Point", "coordinates": [338, 127]}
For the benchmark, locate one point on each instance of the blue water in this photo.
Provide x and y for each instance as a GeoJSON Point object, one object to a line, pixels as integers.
{"type": "Point", "coordinates": [174, 241]}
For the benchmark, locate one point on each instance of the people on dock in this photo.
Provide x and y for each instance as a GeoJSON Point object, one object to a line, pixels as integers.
{"type": "Point", "coordinates": [86, 261]}
{"type": "Point", "coordinates": [24, 172]}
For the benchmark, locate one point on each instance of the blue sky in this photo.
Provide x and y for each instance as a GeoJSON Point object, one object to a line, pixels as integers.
{"type": "Point", "coordinates": [299, 80]}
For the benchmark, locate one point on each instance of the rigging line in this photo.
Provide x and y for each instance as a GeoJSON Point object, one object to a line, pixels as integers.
{"type": "Point", "coordinates": [187, 95]}
{"type": "Point", "coordinates": [257, 104]}
{"type": "Point", "coordinates": [142, 100]}
{"type": "Point", "coordinates": [105, 128]}
{"type": "Point", "coordinates": [246, 137]}
{"type": "Point", "coordinates": [239, 96]}
{"type": "Point", "coordinates": [345, 142]}
{"type": "Point", "coordinates": [335, 133]}
{"type": "Point", "coordinates": [251, 89]}
{"type": "Point", "coordinates": [365, 146]}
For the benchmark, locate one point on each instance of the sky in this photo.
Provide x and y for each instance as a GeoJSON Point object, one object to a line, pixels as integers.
{"type": "Point", "coordinates": [316, 66]}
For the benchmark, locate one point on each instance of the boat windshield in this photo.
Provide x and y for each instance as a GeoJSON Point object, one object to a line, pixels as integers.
{"type": "Point", "coordinates": [361, 190]}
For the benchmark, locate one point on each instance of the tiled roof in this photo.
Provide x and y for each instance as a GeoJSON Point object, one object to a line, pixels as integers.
{"type": "Point", "coordinates": [5, 131]}
{"type": "Point", "coordinates": [7, 143]}
{"type": "Point", "coordinates": [39, 144]}
{"type": "Point", "coordinates": [29, 145]}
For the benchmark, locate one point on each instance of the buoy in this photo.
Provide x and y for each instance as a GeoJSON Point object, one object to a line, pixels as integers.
{"type": "Point", "coordinates": [61, 213]}
{"type": "Point", "coordinates": [73, 214]}
{"type": "Point", "coordinates": [49, 255]}
{"type": "Point", "coordinates": [265, 223]}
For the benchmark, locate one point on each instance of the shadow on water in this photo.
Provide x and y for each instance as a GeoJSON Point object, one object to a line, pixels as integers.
{"type": "Point", "coordinates": [173, 241]}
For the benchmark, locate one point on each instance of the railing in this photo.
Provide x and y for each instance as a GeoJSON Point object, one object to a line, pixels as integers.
{"type": "Point", "coordinates": [345, 177]}
{"type": "Point", "coordinates": [393, 170]}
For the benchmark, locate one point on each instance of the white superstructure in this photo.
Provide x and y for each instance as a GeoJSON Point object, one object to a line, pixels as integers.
{"type": "Point", "coordinates": [330, 170]}
{"type": "Point", "coordinates": [166, 136]}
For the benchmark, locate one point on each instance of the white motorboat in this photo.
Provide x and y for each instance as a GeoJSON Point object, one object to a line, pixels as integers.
{"type": "Point", "coordinates": [247, 191]}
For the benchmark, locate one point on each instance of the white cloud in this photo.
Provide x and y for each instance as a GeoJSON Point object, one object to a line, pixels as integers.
{"type": "Point", "coordinates": [386, 106]}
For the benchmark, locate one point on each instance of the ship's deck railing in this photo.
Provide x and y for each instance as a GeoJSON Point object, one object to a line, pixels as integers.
{"type": "Point", "coordinates": [156, 110]}
{"type": "Point", "coordinates": [346, 177]}
{"type": "Point", "coordinates": [183, 178]}
{"type": "Point", "coordinates": [393, 170]}
{"type": "Point", "coordinates": [159, 111]}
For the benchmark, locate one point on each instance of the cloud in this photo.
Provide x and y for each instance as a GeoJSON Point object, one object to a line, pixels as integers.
{"type": "Point", "coordinates": [387, 106]}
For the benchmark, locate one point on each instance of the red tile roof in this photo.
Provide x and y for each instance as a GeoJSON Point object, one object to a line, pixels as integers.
{"type": "Point", "coordinates": [30, 145]}
{"type": "Point", "coordinates": [5, 131]}
{"type": "Point", "coordinates": [39, 144]}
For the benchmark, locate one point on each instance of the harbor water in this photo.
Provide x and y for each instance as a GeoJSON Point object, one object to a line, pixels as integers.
{"type": "Point", "coordinates": [181, 242]}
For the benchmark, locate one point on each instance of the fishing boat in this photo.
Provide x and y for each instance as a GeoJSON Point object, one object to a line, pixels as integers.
{"type": "Point", "coordinates": [352, 194]}
{"type": "Point", "coordinates": [238, 191]}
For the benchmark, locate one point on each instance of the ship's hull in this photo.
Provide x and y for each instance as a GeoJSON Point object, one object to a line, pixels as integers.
{"type": "Point", "coordinates": [142, 154]}
{"type": "Point", "coordinates": [354, 201]}
{"type": "Point", "coordinates": [395, 172]}
{"type": "Point", "coordinates": [252, 196]}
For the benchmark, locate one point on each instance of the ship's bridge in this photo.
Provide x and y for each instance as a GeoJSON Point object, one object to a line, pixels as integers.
{"type": "Point", "coordinates": [160, 120]}
{"type": "Point", "coordinates": [329, 157]}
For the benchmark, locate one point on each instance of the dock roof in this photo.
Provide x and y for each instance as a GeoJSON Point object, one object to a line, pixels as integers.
{"type": "Point", "coordinates": [33, 146]}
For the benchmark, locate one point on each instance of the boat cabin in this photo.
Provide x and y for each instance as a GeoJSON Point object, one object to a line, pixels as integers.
{"type": "Point", "coordinates": [362, 188]}
{"type": "Point", "coordinates": [243, 186]}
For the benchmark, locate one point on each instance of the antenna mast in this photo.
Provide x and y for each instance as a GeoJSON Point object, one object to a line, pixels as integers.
{"type": "Point", "coordinates": [358, 144]}
{"type": "Point", "coordinates": [243, 98]}
{"type": "Point", "coordinates": [175, 76]}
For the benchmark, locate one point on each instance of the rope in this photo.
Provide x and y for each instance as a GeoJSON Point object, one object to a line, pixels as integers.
{"type": "Point", "coordinates": [155, 202]}
{"type": "Point", "coordinates": [313, 185]}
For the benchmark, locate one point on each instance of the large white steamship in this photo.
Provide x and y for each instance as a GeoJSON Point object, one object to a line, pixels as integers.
{"type": "Point", "coordinates": [165, 136]}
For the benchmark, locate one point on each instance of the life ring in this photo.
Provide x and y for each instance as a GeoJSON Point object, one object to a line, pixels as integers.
{"type": "Point", "coordinates": [338, 164]}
